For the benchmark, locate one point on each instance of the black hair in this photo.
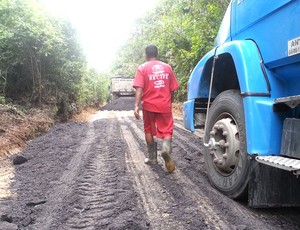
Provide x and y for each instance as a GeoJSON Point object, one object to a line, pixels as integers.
{"type": "Point", "coordinates": [151, 51]}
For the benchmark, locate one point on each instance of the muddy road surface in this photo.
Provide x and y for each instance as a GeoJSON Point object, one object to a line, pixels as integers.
{"type": "Point", "coordinates": [92, 176]}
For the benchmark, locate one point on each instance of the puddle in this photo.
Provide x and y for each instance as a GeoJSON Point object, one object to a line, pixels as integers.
{"type": "Point", "coordinates": [6, 178]}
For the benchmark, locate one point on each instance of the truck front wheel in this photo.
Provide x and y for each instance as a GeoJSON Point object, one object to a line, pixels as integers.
{"type": "Point", "coordinates": [226, 158]}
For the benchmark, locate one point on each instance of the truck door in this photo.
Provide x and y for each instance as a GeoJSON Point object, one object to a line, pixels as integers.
{"type": "Point", "coordinates": [271, 24]}
{"type": "Point", "coordinates": [248, 12]}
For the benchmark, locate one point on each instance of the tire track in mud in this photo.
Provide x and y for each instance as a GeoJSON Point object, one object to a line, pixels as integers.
{"type": "Point", "coordinates": [64, 188]}
{"type": "Point", "coordinates": [184, 199]}
{"type": "Point", "coordinates": [103, 198]}
{"type": "Point", "coordinates": [97, 187]}
{"type": "Point", "coordinates": [155, 200]}
{"type": "Point", "coordinates": [96, 192]}
{"type": "Point", "coordinates": [96, 200]}
{"type": "Point", "coordinates": [155, 207]}
{"type": "Point", "coordinates": [198, 205]}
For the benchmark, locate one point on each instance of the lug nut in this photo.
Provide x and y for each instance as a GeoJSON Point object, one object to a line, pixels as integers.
{"type": "Point", "coordinates": [221, 143]}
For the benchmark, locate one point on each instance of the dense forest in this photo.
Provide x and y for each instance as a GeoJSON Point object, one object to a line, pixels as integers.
{"type": "Point", "coordinates": [42, 62]}
{"type": "Point", "coordinates": [183, 30]}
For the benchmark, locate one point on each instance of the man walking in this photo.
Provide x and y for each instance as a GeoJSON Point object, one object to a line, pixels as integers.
{"type": "Point", "coordinates": [155, 84]}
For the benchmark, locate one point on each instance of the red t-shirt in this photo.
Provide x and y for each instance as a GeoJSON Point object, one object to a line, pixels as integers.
{"type": "Point", "coordinates": [158, 81]}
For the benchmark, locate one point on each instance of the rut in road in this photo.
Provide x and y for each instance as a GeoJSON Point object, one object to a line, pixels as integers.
{"type": "Point", "coordinates": [158, 202]}
{"type": "Point", "coordinates": [184, 199]}
{"type": "Point", "coordinates": [92, 176]}
{"type": "Point", "coordinates": [151, 193]}
{"type": "Point", "coordinates": [75, 178]}
{"type": "Point", "coordinates": [64, 188]}
{"type": "Point", "coordinates": [102, 198]}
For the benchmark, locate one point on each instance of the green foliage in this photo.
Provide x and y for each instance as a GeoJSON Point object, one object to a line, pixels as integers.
{"type": "Point", "coordinates": [93, 89]}
{"type": "Point", "coordinates": [183, 30]}
{"type": "Point", "coordinates": [41, 60]}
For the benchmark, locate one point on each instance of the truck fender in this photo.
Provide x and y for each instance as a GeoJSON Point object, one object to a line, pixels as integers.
{"type": "Point", "coordinates": [257, 101]}
{"type": "Point", "coordinates": [254, 87]}
{"type": "Point", "coordinates": [249, 67]}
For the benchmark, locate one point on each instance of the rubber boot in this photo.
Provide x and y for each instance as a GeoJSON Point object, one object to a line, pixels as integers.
{"type": "Point", "coordinates": [152, 151]}
{"type": "Point", "coordinates": [166, 154]}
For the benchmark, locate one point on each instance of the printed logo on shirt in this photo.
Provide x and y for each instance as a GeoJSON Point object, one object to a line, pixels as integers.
{"type": "Point", "coordinates": [159, 84]}
{"type": "Point", "coordinates": [157, 69]}
{"type": "Point", "coordinates": [158, 75]}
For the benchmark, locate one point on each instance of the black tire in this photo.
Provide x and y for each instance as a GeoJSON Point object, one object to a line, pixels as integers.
{"type": "Point", "coordinates": [227, 164]}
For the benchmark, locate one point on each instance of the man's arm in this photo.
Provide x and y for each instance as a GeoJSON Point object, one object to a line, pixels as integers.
{"type": "Point", "coordinates": [138, 98]}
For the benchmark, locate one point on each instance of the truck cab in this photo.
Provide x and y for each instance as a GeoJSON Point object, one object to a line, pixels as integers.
{"type": "Point", "coordinates": [245, 94]}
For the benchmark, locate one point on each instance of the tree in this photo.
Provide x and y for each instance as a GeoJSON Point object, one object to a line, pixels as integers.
{"type": "Point", "coordinates": [27, 38]}
{"type": "Point", "coordinates": [93, 88]}
{"type": "Point", "coordinates": [41, 59]}
{"type": "Point", "coordinates": [184, 30]}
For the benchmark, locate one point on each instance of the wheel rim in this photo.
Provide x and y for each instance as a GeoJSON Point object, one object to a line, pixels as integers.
{"type": "Point", "coordinates": [224, 145]}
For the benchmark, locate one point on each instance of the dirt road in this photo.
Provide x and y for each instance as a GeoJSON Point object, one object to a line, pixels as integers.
{"type": "Point", "coordinates": [92, 176]}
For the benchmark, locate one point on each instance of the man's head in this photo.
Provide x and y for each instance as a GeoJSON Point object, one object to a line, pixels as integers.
{"type": "Point", "coordinates": [151, 52]}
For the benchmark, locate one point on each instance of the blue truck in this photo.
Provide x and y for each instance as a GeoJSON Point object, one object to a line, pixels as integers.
{"type": "Point", "coordinates": [245, 94]}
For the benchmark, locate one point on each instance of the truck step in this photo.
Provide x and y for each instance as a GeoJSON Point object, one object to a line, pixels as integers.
{"type": "Point", "coordinates": [292, 101]}
{"type": "Point", "coordinates": [280, 162]}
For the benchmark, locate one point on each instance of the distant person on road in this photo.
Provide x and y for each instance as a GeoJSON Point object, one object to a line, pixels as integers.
{"type": "Point", "coordinates": [155, 84]}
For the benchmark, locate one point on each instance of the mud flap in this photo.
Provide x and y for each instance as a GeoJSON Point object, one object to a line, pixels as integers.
{"type": "Point", "coordinates": [272, 187]}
